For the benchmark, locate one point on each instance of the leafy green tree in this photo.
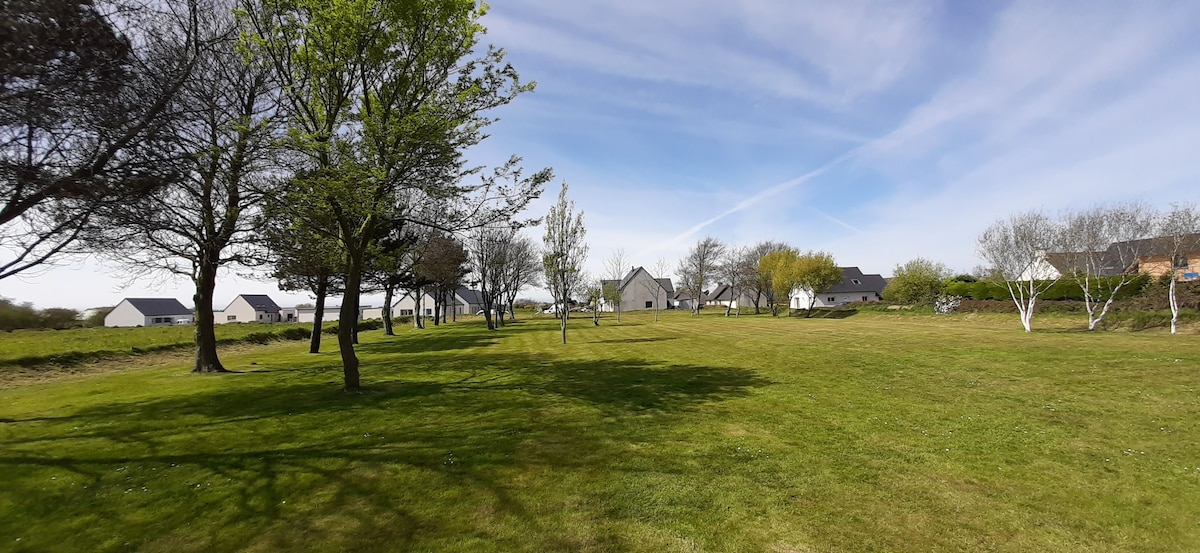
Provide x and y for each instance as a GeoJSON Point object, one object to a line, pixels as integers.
{"type": "Point", "coordinates": [382, 98]}
{"type": "Point", "coordinates": [918, 281]}
{"type": "Point", "coordinates": [779, 268]}
{"type": "Point", "coordinates": [814, 272]}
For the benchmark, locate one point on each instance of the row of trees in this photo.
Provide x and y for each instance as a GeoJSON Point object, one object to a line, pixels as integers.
{"type": "Point", "coordinates": [768, 273]}
{"type": "Point", "coordinates": [323, 139]}
{"type": "Point", "coordinates": [1101, 248]}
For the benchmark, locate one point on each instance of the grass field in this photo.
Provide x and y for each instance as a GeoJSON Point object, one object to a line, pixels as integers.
{"type": "Point", "coordinates": [871, 433]}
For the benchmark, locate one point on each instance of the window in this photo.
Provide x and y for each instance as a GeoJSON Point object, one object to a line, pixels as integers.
{"type": "Point", "coordinates": [864, 298]}
{"type": "Point", "coordinates": [231, 317]}
{"type": "Point", "coordinates": [649, 304]}
{"type": "Point", "coordinates": [428, 311]}
{"type": "Point", "coordinates": [159, 320]}
{"type": "Point", "coordinates": [832, 299]}
{"type": "Point", "coordinates": [855, 280]}
{"type": "Point", "coordinates": [260, 316]}
{"type": "Point", "coordinates": [404, 312]}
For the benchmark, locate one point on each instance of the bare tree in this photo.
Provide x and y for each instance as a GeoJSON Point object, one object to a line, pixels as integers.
{"type": "Point", "coordinates": [1180, 232]}
{"type": "Point", "coordinates": [564, 254]}
{"type": "Point", "coordinates": [1016, 249]}
{"type": "Point", "coordinates": [86, 95]}
{"type": "Point", "coordinates": [206, 219]}
{"type": "Point", "coordinates": [759, 287]}
{"type": "Point", "coordinates": [521, 270]}
{"type": "Point", "coordinates": [1101, 245]}
{"type": "Point", "coordinates": [614, 270]}
{"type": "Point", "coordinates": [738, 270]}
{"type": "Point", "coordinates": [660, 272]}
{"type": "Point", "coordinates": [699, 267]}
{"type": "Point", "coordinates": [488, 255]}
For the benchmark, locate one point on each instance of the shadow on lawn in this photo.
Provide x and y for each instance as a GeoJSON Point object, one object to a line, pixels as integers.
{"type": "Point", "coordinates": [460, 435]}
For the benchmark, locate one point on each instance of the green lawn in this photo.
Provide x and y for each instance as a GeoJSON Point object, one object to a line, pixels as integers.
{"type": "Point", "coordinates": [875, 432]}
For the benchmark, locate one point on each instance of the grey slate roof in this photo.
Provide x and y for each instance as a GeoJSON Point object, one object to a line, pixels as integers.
{"type": "Point", "coordinates": [468, 295]}
{"type": "Point", "coordinates": [866, 283]}
{"type": "Point", "coordinates": [260, 302]}
{"type": "Point", "coordinates": [158, 307]}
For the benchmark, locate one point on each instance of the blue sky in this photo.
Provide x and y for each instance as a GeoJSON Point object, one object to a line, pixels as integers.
{"type": "Point", "coordinates": [876, 130]}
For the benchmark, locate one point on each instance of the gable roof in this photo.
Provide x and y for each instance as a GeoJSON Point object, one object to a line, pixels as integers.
{"type": "Point", "coordinates": [157, 307]}
{"type": "Point", "coordinates": [260, 302]}
{"type": "Point", "coordinates": [853, 280]}
{"type": "Point", "coordinates": [625, 282]}
{"type": "Point", "coordinates": [468, 295]}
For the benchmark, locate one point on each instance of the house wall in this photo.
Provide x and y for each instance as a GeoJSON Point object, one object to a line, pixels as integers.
{"type": "Point", "coordinates": [1040, 270]}
{"type": "Point", "coordinates": [239, 311]}
{"type": "Point", "coordinates": [1159, 265]}
{"type": "Point", "coordinates": [309, 315]}
{"type": "Point", "coordinates": [407, 305]}
{"type": "Point", "coordinates": [800, 298]}
{"type": "Point", "coordinates": [641, 289]}
{"type": "Point", "coordinates": [125, 314]}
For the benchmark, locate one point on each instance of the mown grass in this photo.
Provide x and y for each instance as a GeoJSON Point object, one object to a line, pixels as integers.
{"type": "Point", "coordinates": [25, 348]}
{"type": "Point", "coordinates": [870, 433]}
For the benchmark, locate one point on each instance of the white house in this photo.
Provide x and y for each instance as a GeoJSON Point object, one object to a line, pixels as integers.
{"type": "Point", "coordinates": [309, 314]}
{"type": "Point", "coordinates": [148, 312]}
{"type": "Point", "coordinates": [462, 301]}
{"type": "Point", "coordinates": [854, 287]}
{"type": "Point", "coordinates": [723, 296]}
{"type": "Point", "coordinates": [249, 308]}
{"type": "Point", "coordinates": [639, 291]}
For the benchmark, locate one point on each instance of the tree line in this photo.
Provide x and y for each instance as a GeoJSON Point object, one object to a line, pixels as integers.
{"type": "Point", "coordinates": [324, 140]}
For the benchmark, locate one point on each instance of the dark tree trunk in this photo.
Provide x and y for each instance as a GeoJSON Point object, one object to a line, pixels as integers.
{"type": "Point", "coordinates": [206, 336]}
{"type": "Point", "coordinates": [387, 310]}
{"type": "Point", "coordinates": [349, 315]}
{"type": "Point", "coordinates": [314, 346]}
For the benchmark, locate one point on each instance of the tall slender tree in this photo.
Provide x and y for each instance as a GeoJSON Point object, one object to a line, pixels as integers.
{"type": "Point", "coordinates": [564, 254]}
{"type": "Point", "coordinates": [699, 267]}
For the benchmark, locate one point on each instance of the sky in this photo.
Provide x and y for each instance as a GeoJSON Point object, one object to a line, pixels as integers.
{"type": "Point", "coordinates": [876, 130]}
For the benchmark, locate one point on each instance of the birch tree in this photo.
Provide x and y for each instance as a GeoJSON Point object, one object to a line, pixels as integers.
{"type": "Point", "coordinates": [1101, 244]}
{"type": "Point", "coordinates": [564, 254]}
{"type": "Point", "coordinates": [1180, 232]}
{"type": "Point", "coordinates": [1016, 250]}
{"type": "Point", "coordinates": [699, 267]}
{"type": "Point", "coordinates": [738, 270]}
{"type": "Point", "coordinates": [614, 270]}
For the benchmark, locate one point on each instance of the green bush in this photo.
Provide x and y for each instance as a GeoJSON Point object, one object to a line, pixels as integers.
{"type": "Point", "coordinates": [370, 324]}
{"type": "Point", "coordinates": [296, 333]}
{"type": "Point", "coordinates": [403, 319]}
{"type": "Point", "coordinates": [260, 337]}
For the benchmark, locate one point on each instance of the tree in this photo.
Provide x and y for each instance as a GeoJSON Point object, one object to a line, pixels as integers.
{"type": "Point", "coordinates": [699, 267]}
{"type": "Point", "coordinates": [564, 254]}
{"type": "Point", "coordinates": [814, 272]}
{"type": "Point", "coordinates": [779, 268]}
{"type": "Point", "coordinates": [1101, 244]}
{"type": "Point", "coordinates": [1016, 248]}
{"type": "Point", "coordinates": [521, 269]}
{"type": "Point", "coordinates": [382, 98]}
{"type": "Point", "coordinates": [660, 273]}
{"type": "Point", "coordinates": [918, 281]}
{"type": "Point", "coordinates": [738, 268]}
{"type": "Point", "coordinates": [302, 257]}
{"type": "Point", "coordinates": [488, 256]}
{"type": "Point", "coordinates": [1180, 231]}
{"type": "Point", "coordinates": [759, 285]}
{"type": "Point", "coordinates": [614, 270]}
{"type": "Point", "coordinates": [443, 265]}
{"type": "Point", "coordinates": [85, 98]}
{"type": "Point", "coordinates": [206, 218]}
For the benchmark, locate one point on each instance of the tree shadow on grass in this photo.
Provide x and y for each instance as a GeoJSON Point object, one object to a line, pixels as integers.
{"type": "Point", "coordinates": [263, 443]}
{"type": "Point", "coordinates": [634, 340]}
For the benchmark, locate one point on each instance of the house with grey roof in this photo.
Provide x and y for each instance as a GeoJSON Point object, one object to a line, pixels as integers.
{"type": "Point", "coordinates": [639, 291]}
{"type": "Point", "coordinates": [148, 312]}
{"type": "Point", "coordinates": [854, 287]}
{"type": "Point", "coordinates": [249, 308]}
